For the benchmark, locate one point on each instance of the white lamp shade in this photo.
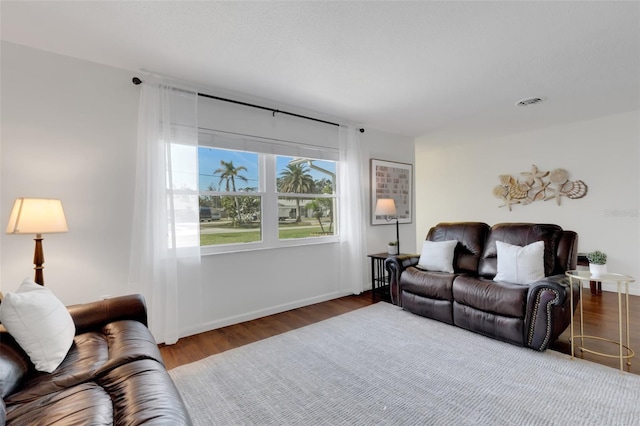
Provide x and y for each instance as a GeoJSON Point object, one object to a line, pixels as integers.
{"type": "Point", "coordinates": [385, 207]}
{"type": "Point", "coordinates": [37, 216]}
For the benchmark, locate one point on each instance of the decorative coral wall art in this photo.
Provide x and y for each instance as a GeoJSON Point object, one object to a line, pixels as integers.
{"type": "Point", "coordinates": [536, 185]}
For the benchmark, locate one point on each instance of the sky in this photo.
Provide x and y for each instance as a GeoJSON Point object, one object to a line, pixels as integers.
{"type": "Point", "coordinates": [209, 160]}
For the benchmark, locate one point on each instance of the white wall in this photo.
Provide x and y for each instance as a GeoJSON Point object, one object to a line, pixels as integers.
{"type": "Point", "coordinates": [384, 146]}
{"type": "Point", "coordinates": [69, 132]}
{"type": "Point", "coordinates": [455, 183]}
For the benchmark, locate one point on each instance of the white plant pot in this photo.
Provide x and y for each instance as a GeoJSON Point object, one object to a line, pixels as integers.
{"type": "Point", "coordinates": [597, 270]}
{"type": "Point", "coordinates": [392, 250]}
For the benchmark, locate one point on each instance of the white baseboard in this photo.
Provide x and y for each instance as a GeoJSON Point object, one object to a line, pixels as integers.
{"type": "Point", "coordinates": [248, 316]}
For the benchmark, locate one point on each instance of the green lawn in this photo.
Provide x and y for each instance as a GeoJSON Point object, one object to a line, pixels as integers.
{"type": "Point", "coordinates": [229, 238]}
{"type": "Point", "coordinates": [285, 232]}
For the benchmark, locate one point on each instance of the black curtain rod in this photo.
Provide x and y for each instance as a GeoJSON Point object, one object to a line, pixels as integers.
{"type": "Point", "coordinates": [137, 81]}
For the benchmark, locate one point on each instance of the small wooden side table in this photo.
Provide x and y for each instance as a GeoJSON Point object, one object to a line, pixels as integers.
{"type": "Point", "coordinates": [623, 281]}
{"type": "Point", "coordinates": [379, 278]}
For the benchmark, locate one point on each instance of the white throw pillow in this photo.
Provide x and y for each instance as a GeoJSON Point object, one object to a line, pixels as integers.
{"type": "Point", "coordinates": [437, 256]}
{"type": "Point", "coordinates": [520, 265]}
{"type": "Point", "coordinates": [40, 323]}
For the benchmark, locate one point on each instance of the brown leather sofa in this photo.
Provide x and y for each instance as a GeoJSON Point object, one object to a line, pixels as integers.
{"type": "Point", "coordinates": [525, 315]}
{"type": "Point", "coordinates": [113, 374]}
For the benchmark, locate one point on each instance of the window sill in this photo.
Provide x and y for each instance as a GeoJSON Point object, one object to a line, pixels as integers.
{"type": "Point", "coordinates": [240, 248]}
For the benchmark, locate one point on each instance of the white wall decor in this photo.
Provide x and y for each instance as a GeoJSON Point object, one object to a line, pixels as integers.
{"type": "Point", "coordinates": [537, 185]}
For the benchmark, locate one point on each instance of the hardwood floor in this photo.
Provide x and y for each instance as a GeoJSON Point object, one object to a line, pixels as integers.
{"type": "Point", "coordinates": [199, 346]}
{"type": "Point", "coordinates": [601, 319]}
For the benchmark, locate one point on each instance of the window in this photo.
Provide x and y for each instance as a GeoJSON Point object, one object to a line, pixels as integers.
{"type": "Point", "coordinates": [252, 199]}
{"type": "Point", "coordinates": [227, 213]}
{"type": "Point", "coordinates": [306, 197]}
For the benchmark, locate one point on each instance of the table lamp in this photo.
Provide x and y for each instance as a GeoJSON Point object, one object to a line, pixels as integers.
{"type": "Point", "coordinates": [37, 216]}
{"type": "Point", "coordinates": [387, 207]}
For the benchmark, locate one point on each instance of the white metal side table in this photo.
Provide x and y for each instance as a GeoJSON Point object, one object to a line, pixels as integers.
{"type": "Point", "coordinates": [623, 281]}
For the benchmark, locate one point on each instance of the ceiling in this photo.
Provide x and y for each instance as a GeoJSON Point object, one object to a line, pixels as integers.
{"type": "Point", "coordinates": [441, 70]}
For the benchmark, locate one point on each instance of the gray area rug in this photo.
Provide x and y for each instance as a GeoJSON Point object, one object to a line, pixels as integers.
{"type": "Point", "coordinates": [380, 365]}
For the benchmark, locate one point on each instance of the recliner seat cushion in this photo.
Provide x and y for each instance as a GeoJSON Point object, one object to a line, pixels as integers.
{"type": "Point", "coordinates": [507, 329]}
{"type": "Point", "coordinates": [146, 381]}
{"type": "Point", "coordinates": [500, 298]}
{"type": "Point", "coordinates": [436, 285]}
{"type": "Point", "coordinates": [83, 404]}
{"type": "Point", "coordinates": [88, 352]}
{"type": "Point", "coordinates": [427, 293]}
{"type": "Point", "coordinates": [440, 310]}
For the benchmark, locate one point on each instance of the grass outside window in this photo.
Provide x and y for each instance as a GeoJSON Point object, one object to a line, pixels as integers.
{"type": "Point", "coordinates": [224, 232]}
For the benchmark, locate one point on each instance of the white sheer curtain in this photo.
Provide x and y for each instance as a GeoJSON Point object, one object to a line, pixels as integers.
{"type": "Point", "coordinates": [165, 246]}
{"type": "Point", "coordinates": [352, 212]}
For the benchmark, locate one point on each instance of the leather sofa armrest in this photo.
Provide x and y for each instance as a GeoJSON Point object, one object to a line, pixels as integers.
{"type": "Point", "coordinates": [548, 310]}
{"type": "Point", "coordinates": [560, 283]}
{"type": "Point", "coordinates": [394, 266]}
{"type": "Point", "coordinates": [95, 315]}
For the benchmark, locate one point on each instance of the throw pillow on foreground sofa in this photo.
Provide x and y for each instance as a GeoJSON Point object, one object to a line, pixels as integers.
{"type": "Point", "coordinates": [40, 323]}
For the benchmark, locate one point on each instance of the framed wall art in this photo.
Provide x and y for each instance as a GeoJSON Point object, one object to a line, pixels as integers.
{"type": "Point", "coordinates": [392, 180]}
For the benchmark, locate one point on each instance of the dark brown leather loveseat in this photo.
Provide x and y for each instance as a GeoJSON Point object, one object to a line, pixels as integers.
{"type": "Point", "coordinates": [112, 375]}
{"type": "Point", "coordinates": [531, 315]}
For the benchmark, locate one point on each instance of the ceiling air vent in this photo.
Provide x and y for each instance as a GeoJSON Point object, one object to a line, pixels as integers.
{"type": "Point", "coordinates": [529, 101]}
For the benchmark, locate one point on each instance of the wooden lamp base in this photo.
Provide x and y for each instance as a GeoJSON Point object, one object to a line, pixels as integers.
{"type": "Point", "coordinates": [38, 260]}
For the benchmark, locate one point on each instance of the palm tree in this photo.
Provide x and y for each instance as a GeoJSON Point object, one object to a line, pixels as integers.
{"type": "Point", "coordinates": [296, 178]}
{"type": "Point", "coordinates": [228, 174]}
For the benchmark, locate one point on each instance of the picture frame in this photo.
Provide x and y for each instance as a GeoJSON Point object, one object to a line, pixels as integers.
{"type": "Point", "coordinates": [390, 179]}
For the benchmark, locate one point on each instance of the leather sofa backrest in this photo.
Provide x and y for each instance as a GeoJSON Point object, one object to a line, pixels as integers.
{"type": "Point", "coordinates": [520, 234]}
{"type": "Point", "coordinates": [567, 254]}
{"type": "Point", "coordinates": [470, 236]}
{"type": "Point", "coordinates": [93, 315]}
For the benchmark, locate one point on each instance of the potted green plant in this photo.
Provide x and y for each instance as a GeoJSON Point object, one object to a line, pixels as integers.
{"type": "Point", "coordinates": [392, 248]}
{"type": "Point", "coordinates": [597, 263]}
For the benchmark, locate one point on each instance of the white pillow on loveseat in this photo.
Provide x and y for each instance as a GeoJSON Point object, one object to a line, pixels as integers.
{"type": "Point", "coordinates": [40, 323]}
{"type": "Point", "coordinates": [437, 256]}
{"type": "Point", "coordinates": [520, 265]}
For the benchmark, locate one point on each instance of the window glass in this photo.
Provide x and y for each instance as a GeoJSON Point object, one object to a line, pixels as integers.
{"type": "Point", "coordinates": [306, 197]}
{"type": "Point", "coordinates": [224, 170]}
{"type": "Point", "coordinates": [316, 217]}
{"type": "Point", "coordinates": [243, 207]}
{"type": "Point", "coordinates": [220, 223]}
{"type": "Point", "coordinates": [232, 218]}
{"type": "Point", "coordinates": [304, 175]}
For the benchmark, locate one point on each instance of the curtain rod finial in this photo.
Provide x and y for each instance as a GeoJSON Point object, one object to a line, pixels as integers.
{"type": "Point", "coordinates": [136, 81]}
